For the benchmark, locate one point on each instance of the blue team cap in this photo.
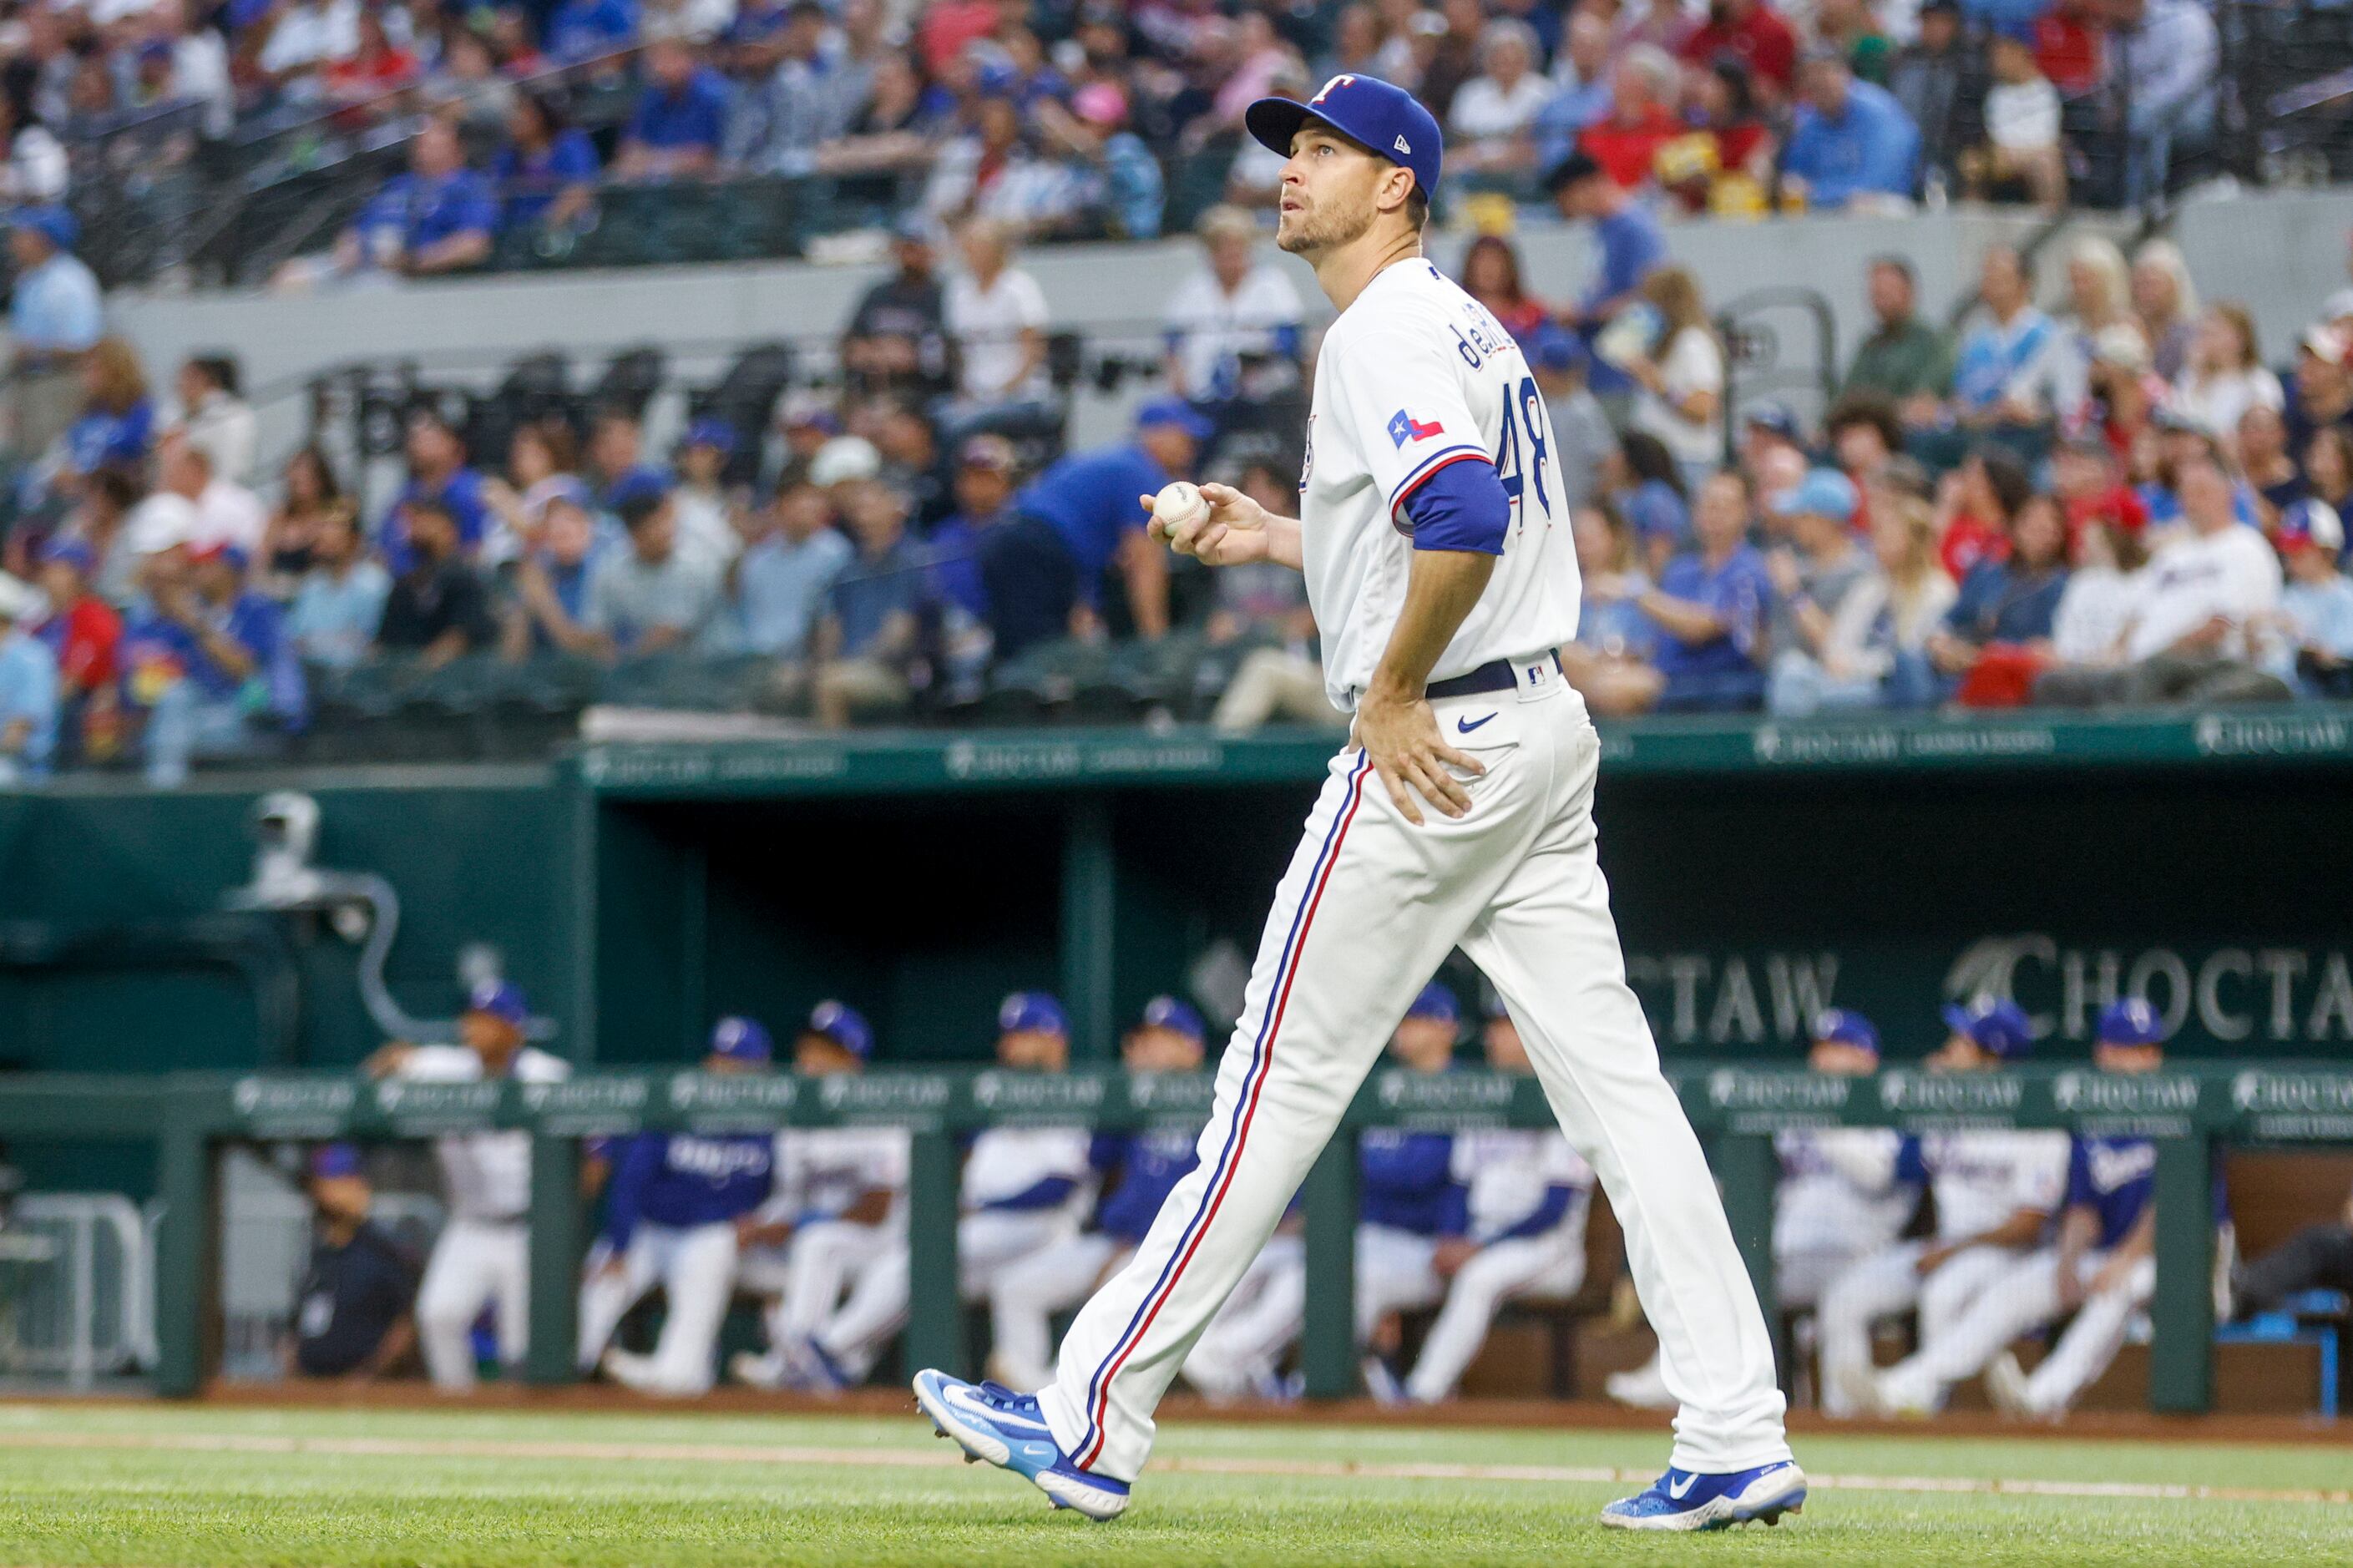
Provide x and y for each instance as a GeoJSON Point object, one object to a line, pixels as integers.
{"type": "Point", "coordinates": [1825, 493]}
{"type": "Point", "coordinates": [2131, 1022]}
{"type": "Point", "coordinates": [1178, 412]}
{"type": "Point", "coordinates": [1375, 114]}
{"type": "Point", "coordinates": [332, 1160]}
{"type": "Point", "coordinates": [1773, 415]}
{"type": "Point", "coordinates": [74, 552]}
{"type": "Point", "coordinates": [571, 491]}
{"type": "Point", "coordinates": [501, 999]}
{"type": "Point", "coordinates": [1028, 1012]}
{"type": "Point", "coordinates": [742, 1040]}
{"type": "Point", "coordinates": [1996, 1023]}
{"type": "Point", "coordinates": [1174, 1013]}
{"type": "Point", "coordinates": [51, 221]}
{"type": "Point", "coordinates": [712, 432]}
{"type": "Point", "coordinates": [1557, 349]}
{"type": "Point", "coordinates": [844, 1025]}
{"type": "Point", "coordinates": [636, 494]}
{"type": "Point", "coordinates": [1436, 1001]}
{"type": "Point", "coordinates": [1845, 1026]}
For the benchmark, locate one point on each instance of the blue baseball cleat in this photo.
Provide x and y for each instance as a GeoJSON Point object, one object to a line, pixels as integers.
{"type": "Point", "coordinates": [992, 1424]}
{"type": "Point", "coordinates": [1682, 1499]}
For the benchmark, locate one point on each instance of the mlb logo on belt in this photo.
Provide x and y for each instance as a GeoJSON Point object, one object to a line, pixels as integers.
{"type": "Point", "coordinates": [1404, 427]}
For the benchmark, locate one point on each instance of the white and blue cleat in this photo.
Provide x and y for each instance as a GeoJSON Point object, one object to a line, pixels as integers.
{"type": "Point", "coordinates": [995, 1425]}
{"type": "Point", "coordinates": [1684, 1500]}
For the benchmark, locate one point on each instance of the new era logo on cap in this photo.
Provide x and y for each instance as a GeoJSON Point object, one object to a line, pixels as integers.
{"type": "Point", "coordinates": [1403, 146]}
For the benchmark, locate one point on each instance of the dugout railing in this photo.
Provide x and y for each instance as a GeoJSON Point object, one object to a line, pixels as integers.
{"type": "Point", "coordinates": [2190, 1113]}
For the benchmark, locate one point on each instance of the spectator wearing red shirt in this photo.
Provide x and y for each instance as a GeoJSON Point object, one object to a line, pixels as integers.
{"type": "Point", "coordinates": [2067, 46]}
{"type": "Point", "coordinates": [1626, 142]}
{"type": "Point", "coordinates": [1976, 508]}
{"type": "Point", "coordinates": [1753, 33]}
{"type": "Point", "coordinates": [82, 629]}
{"type": "Point", "coordinates": [949, 25]}
{"type": "Point", "coordinates": [2088, 479]}
{"type": "Point", "coordinates": [377, 68]}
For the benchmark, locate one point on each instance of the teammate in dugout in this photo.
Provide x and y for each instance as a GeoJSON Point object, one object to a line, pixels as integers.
{"type": "Point", "coordinates": [1433, 535]}
{"type": "Point", "coordinates": [824, 1247]}
{"type": "Point", "coordinates": [1841, 1197]}
{"type": "Point", "coordinates": [1995, 1193]}
{"type": "Point", "coordinates": [481, 1259]}
{"type": "Point", "coordinates": [1148, 1163]}
{"type": "Point", "coordinates": [352, 1315]}
{"type": "Point", "coordinates": [1408, 1202]}
{"type": "Point", "coordinates": [671, 1212]}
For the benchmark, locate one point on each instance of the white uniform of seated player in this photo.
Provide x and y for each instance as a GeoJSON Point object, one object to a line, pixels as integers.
{"type": "Point", "coordinates": [1839, 1198]}
{"type": "Point", "coordinates": [825, 1242]}
{"type": "Point", "coordinates": [2103, 1268]}
{"type": "Point", "coordinates": [672, 1205]}
{"type": "Point", "coordinates": [1407, 1209]}
{"type": "Point", "coordinates": [482, 1257]}
{"type": "Point", "coordinates": [1529, 1195]}
{"type": "Point", "coordinates": [1026, 1295]}
{"type": "Point", "coordinates": [1025, 1189]}
{"type": "Point", "coordinates": [1995, 1193]}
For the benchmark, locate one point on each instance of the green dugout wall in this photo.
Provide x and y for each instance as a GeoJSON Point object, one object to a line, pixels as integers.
{"type": "Point", "coordinates": [1760, 871]}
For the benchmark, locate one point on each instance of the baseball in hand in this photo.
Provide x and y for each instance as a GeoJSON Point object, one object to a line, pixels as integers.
{"type": "Point", "coordinates": [1180, 506]}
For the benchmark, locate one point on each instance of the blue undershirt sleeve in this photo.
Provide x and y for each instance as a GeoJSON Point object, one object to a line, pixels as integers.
{"type": "Point", "coordinates": [1459, 506]}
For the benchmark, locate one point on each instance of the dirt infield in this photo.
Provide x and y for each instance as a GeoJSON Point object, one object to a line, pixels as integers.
{"type": "Point", "coordinates": [1529, 1414]}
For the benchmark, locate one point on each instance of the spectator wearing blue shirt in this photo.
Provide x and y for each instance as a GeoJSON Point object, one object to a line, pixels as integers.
{"type": "Point", "coordinates": [1582, 76]}
{"type": "Point", "coordinates": [1630, 247]}
{"type": "Point", "coordinates": [784, 577]}
{"type": "Point", "coordinates": [205, 661]}
{"type": "Point", "coordinates": [680, 121]}
{"type": "Point", "coordinates": [339, 605]}
{"type": "Point", "coordinates": [546, 174]}
{"type": "Point", "coordinates": [582, 29]}
{"type": "Point", "coordinates": [56, 313]}
{"type": "Point", "coordinates": [29, 690]}
{"type": "Point", "coordinates": [867, 644]}
{"type": "Point", "coordinates": [2003, 368]}
{"type": "Point", "coordinates": [1710, 607]}
{"type": "Point", "coordinates": [117, 424]}
{"type": "Point", "coordinates": [437, 217]}
{"type": "Point", "coordinates": [776, 122]}
{"type": "Point", "coordinates": [2011, 603]}
{"type": "Point", "coordinates": [1610, 663]}
{"type": "Point", "coordinates": [1090, 500]}
{"type": "Point", "coordinates": [437, 471]}
{"type": "Point", "coordinates": [553, 579]}
{"type": "Point", "coordinates": [1852, 143]}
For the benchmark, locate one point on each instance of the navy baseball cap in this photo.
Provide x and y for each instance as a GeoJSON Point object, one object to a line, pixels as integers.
{"type": "Point", "coordinates": [1556, 350]}
{"type": "Point", "coordinates": [1174, 1013]}
{"type": "Point", "coordinates": [1774, 416]}
{"type": "Point", "coordinates": [2131, 1022]}
{"type": "Point", "coordinates": [709, 431]}
{"type": "Point", "coordinates": [329, 1161]}
{"type": "Point", "coordinates": [1995, 1024]}
{"type": "Point", "coordinates": [1025, 1012]}
{"type": "Point", "coordinates": [74, 552]}
{"type": "Point", "coordinates": [1178, 412]}
{"type": "Point", "coordinates": [501, 999]}
{"type": "Point", "coordinates": [1384, 117]}
{"type": "Point", "coordinates": [742, 1040]}
{"type": "Point", "coordinates": [1436, 1001]}
{"type": "Point", "coordinates": [843, 1024]}
{"type": "Point", "coordinates": [1844, 1026]}
{"type": "Point", "coordinates": [53, 223]}
{"type": "Point", "coordinates": [1824, 493]}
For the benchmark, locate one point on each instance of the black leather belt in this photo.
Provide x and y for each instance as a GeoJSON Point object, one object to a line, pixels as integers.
{"type": "Point", "coordinates": [1496, 675]}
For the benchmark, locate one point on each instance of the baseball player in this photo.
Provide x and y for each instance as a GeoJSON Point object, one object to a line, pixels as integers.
{"type": "Point", "coordinates": [671, 1211]}
{"type": "Point", "coordinates": [481, 1259]}
{"type": "Point", "coordinates": [1994, 1192]}
{"type": "Point", "coordinates": [1433, 536]}
{"type": "Point", "coordinates": [839, 1215]}
{"type": "Point", "coordinates": [1408, 1202]}
{"type": "Point", "coordinates": [2103, 1268]}
{"type": "Point", "coordinates": [1528, 1195]}
{"type": "Point", "coordinates": [1841, 1198]}
{"type": "Point", "coordinates": [1024, 1297]}
{"type": "Point", "coordinates": [1025, 1189]}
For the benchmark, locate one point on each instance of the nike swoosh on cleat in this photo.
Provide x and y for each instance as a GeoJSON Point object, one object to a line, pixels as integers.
{"type": "Point", "coordinates": [1682, 1491]}
{"type": "Point", "coordinates": [1466, 726]}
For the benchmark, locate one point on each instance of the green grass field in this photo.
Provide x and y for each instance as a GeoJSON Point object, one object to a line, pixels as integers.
{"type": "Point", "coordinates": [155, 1486]}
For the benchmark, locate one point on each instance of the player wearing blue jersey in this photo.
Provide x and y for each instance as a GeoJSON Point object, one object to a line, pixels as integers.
{"type": "Point", "coordinates": [1145, 1165]}
{"type": "Point", "coordinates": [671, 1210]}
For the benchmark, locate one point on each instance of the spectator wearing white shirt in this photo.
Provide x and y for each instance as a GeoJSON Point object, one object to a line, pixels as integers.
{"type": "Point", "coordinates": [226, 512]}
{"type": "Point", "coordinates": [32, 161]}
{"type": "Point", "coordinates": [2226, 376]}
{"type": "Point", "coordinates": [2103, 595]}
{"type": "Point", "coordinates": [2204, 632]}
{"type": "Point", "coordinates": [1489, 121]}
{"type": "Point", "coordinates": [1681, 377]}
{"type": "Point", "coordinates": [2161, 60]}
{"type": "Point", "coordinates": [1232, 328]}
{"type": "Point", "coordinates": [2022, 122]}
{"type": "Point", "coordinates": [214, 418]}
{"type": "Point", "coordinates": [996, 316]}
{"type": "Point", "coordinates": [306, 35]}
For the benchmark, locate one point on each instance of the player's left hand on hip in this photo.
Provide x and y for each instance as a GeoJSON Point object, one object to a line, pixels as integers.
{"type": "Point", "coordinates": [1401, 738]}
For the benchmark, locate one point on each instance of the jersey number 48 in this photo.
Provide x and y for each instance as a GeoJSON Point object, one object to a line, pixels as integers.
{"type": "Point", "coordinates": [1523, 409]}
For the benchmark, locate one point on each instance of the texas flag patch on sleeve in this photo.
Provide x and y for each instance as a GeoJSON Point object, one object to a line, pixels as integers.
{"type": "Point", "coordinates": [1404, 427]}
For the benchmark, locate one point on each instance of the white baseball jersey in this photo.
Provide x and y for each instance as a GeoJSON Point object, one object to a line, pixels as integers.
{"type": "Point", "coordinates": [1508, 1171]}
{"type": "Point", "coordinates": [1981, 1179]}
{"type": "Point", "coordinates": [1838, 1191]}
{"type": "Point", "coordinates": [1007, 1161]}
{"type": "Point", "coordinates": [823, 1170]}
{"type": "Point", "coordinates": [1413, 376]}
{"type": "Point", "coordinates": [485, 1176]}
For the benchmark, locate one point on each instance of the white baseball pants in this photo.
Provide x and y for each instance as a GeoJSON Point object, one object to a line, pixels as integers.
{"type": "Point", "coordinates": [475, 1263]}
{"type": "Point", "coordinates": [1029, 1291]}
{"type": "Point", "coordinates": [1370, 907]}
{"type": "Point", "coordinates": [1551, 1266]}
{"type": "Point", "coordinates": [2091, 1342]}
{"type": "Point", "coordinates": [1883, 1285]}
{"type": "Point", "coordinates": [988, 1243]}
{"type": "Point", "coordinates": [696, 1270]}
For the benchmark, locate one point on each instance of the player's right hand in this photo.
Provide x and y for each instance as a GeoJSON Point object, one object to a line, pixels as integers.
{"type": "Point", "coordinates": [1233, 533]}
